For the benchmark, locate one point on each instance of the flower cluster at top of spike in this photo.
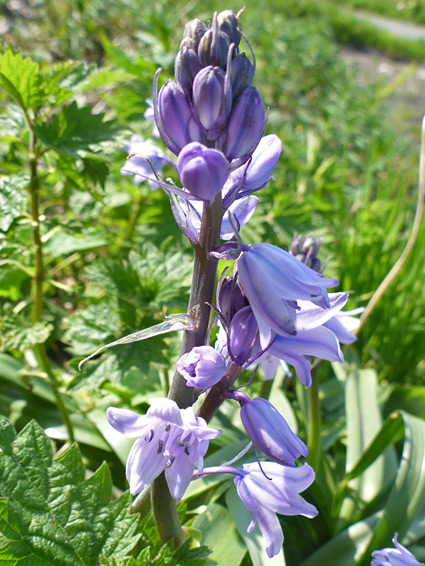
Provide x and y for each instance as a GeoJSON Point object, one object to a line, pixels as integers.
{"type": "Point", "coordinates": [274, 309]}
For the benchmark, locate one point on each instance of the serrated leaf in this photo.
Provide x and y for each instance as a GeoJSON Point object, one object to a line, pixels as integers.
{"type": "Point", "coordinates": [20, 77]}
{"type": "Point", "coordinates": [75, 130]}
{"type": "Point", "coordinates": [49, 513]}
{"type": "Point", "coordinates": [18, 333]}
{"type": "Point", "coordinates": [11, 123]}
{"type": "Point", "coordinates": [61, 79]}
{"type": "Point", "coordinates": [13, 199]}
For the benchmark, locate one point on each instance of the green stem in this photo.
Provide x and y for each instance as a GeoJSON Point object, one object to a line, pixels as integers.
{"type": "Point", "coordinates": [37, 286]}
{"type": "Point", "coordinates": [266, 388]}
{"type": "Point", "coordinates": [201, 294]}
{"type": "Point", "coordinates": [134, 217]}
{"type": "Point", "coordinates": [314, 420]}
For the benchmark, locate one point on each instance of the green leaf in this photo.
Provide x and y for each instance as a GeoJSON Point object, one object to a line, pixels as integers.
{"type": "Point", "coordinates": [62, 243]}
{"type": "Point", "coordinates": [219, 532]}
{"type": "Point", "coordinates": [407, 495]}
{"type": "Point", "coordinates": [174, 324]}
{"type": "Point", "coordinates": [13, 199]}
{"type": "Point", "coordinates": [363, 422]}
{"type": "Point", "coordinates": [75, 130]}
{"type": "Point", "coordinates": [20, 77]}
{"type": "Point", "coordinates": [18, 333]}
{"type": "Point", "coordinates": [390, 432]}
{"type": "Point", "coordinates": [342, 549]}
{"type": "Point", "coordinates": [49, 513]}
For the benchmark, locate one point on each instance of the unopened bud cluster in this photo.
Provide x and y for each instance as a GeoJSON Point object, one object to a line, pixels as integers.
{"type": "Point", "coordinates": [212, 100]}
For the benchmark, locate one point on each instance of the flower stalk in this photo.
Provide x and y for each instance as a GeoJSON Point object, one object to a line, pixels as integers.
{"type": "Point", "coordinates": [201, 294]}
{"type": "Point", "coordinates": [37, 286]}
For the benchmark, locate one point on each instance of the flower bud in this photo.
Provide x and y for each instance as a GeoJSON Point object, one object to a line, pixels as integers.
{"type": "Point", "coordinates": [230, 298]}
{"type": "Point", "coordinates": [202, 171]}
{"type": "Point", "coordinates": [209, 99]}
{"type": "Point", "coordinates": [174, 118]}
{"type": "Point", "coordinates": [194, 30]}
{"type": "Point", "coordinates": [242, 74]}
{"type": "Point", "coordinates": [202, 367]}
{"type": "Point", "coordinates": [269, 432]}
{"type": "Point", "coordinates": [243, 341]}
{"type": "Point", "coordinates": [186, 66]}
{"type": "Point", "coordinates": [213, 49]}
{"type": "Point", "coordinates": [245, 125]}
{"type": "Point", "coordinates": [228, 24]}
{"type": "Point", "coordinates": [306, 250]}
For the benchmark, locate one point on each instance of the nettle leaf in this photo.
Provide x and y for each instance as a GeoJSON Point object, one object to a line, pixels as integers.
{"type": "Point", "coordinates": [75, 130]}
{"type": "Point", "coordinates": [18, 333]}
{"type": "Point", "coordinates": [154, 277]}
{"type": "Point", "coordinates": [20, 77]}
{"type": "Point", "coordinates": [13, 199]}
{"type": "Point", "coordinates": [49, 513]}
{"type": "Point", "coordinates": [11, 123]}
{"type": "Point", "coordinates": [61, 80]}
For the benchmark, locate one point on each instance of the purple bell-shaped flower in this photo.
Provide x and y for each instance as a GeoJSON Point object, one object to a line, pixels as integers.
{"type": "Point", "coordinates": [269, 432]}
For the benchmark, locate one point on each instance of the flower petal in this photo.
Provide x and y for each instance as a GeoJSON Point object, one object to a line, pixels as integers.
{"type": "Point", "coordinates": [127, 422]}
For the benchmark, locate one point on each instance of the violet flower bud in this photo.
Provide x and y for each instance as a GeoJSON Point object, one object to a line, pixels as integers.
{"type": "Point", "coordinates": [228, 23]}
{"type": "Point", "coordinates": [269, 432]}
{"type": "Point", "coordinates": [306, 250]}
{"type": "Point", "coordinates": [186, 66]}
{"type": "Point", "coordinates": [243, 341]}
{"type": "Point", "coordinates": [213, 48]}
{"type": "Point", "coordinates": [241, 75]}
{"type": "Point", "coordinates": [209, 99]}
{"type": "Point", "coordinates": [174, 118]}
{"type": "Point", "coordinates": [230, 298]}
{"type": "Point", "coordinates": [245, 126]}
{"type": "Point", "coordinates": [194, 30]}
{"type": "Point", "coordinates": [202, 367]}
{"type": "Point", "coordinates": [202, 171]}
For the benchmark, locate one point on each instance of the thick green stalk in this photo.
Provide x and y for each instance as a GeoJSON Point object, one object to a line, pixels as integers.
{"type": "Point", "coordinates": [201, 295]}
{"type": "Point", "coordinates": [37, 287]}
{"type": "Point", "coordinates": [314, 419]}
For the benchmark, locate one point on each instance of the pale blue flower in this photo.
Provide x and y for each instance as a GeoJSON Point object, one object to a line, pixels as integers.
{"type": "Point", "coordinates": [274, 282]}
{"type": "Point", "coordinates": [170, 439]}
{"type": "Point", "coordinates": [398, 556]}
{"type": "Point", "coordinates": [269, 431]}
{"type": "Point", "coordinates": [274, 489]}
{"type": "Point", "coordinates": [149, 156]}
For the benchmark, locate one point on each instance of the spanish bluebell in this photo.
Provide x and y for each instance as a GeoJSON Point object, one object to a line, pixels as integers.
{"type": "Point", "coordinates": [170, 439]}
{"type": "Point", "coordinates": [398, 556]}
{"type": "Point", "coordinates": [270, 432]}
{"type": "Point", "coordinates": [274, 489]}
{"type": "Point", "coordinates": [149, 158]}
{"type": "Point", "coordinates": [274, 281]}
